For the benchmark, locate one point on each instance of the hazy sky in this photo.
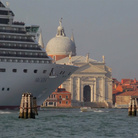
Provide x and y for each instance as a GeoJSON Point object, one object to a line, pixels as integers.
{"type": "Point", "coordinates": [100, 27]}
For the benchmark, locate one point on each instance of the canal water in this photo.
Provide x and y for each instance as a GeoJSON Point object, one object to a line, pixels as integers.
{"type": "Point", "coordinates": [70, 123]}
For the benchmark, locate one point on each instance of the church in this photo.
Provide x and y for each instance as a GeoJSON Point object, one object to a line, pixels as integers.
{"type": "Point", "coordinates": [91, 84]}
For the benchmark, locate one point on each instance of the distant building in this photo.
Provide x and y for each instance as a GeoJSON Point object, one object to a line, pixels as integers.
{"type": "Point", "coordinates": [59, 98]}
{"type": "Point", "coordinates": [123, 88]}
{"type": "Point", "coordinates": [115, 83]}
{"type": "Point", "coordinates": [61, 46]}
{"type": "Point", "coordinates": [123, 99]}
{"type": "Point", "coordinates": [130, 82]}
{"type": "Point", "coordinates": [126, 85]}
{"type": "Point", "coordinates": [91, 84]}
{"type": "Point", "coordinates": [115, 93]}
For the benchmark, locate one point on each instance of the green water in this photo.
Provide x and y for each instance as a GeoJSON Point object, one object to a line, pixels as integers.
{"type": "Point", "coordinates": [70, 123]}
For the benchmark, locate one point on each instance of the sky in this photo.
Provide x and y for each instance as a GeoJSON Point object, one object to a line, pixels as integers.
{"type": "Point", "coordinates": [100, 27]}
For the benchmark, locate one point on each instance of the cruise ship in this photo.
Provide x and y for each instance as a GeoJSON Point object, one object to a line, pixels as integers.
{"type": "Point", "coordinates": [24, 65]}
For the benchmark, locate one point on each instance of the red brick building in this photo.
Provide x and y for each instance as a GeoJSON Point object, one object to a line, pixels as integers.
{"type": "Point", "coordinates": [59, 98]}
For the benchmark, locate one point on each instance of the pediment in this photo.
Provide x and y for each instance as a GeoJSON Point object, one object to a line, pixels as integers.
{"type": "Point", "coordinates": [89, 68]}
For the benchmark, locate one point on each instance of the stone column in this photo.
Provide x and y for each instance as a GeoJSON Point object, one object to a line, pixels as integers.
{"type": "Point", "coordinates": [79, 89]}
{"type": "Point", "coordinates": [92, 92]}
{"type": "Point", "coordinates": [110, 91]}
{"type": "Point", "coordinates": [95, 92]}
{"type": "Point", "coordinates": [82, 91]}
{"type": "Point", "coordinates": [71, 88]}
{"type": "Point", "coordinates": [103, 89]}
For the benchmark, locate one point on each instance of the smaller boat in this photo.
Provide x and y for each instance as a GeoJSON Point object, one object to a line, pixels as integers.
{"type": "Point", "coordinates": [86, 109]}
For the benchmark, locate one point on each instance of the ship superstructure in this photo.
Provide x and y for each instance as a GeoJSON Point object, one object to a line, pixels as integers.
{"type": "Point", "coordinates": [24, 65]}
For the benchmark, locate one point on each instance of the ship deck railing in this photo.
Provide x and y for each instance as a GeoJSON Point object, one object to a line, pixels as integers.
{"type": "Point", "coordinates": [15, 47]}
{"type": "Point", "coordinates": [12, 39]}
{"type": "Point", "coordinates": [18, 23]}
{"type": "Point", "coordinates": [31, 56]}
{"type": "Point", "coordinates": [12, 31]}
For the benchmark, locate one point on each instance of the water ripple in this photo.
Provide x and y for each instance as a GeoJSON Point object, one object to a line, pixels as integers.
{"type": "Point", "coordinates": [70, 123]}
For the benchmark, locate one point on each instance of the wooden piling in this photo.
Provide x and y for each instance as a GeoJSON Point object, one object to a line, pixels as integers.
{"type": "Point", "coordinates": [35, 106]}
{"type": "Point", "coordinates": [132, 110]}
{"type": "Point", "coordinates": [28, 106]}
{"type": "Point", "coordinates": [21, 115]}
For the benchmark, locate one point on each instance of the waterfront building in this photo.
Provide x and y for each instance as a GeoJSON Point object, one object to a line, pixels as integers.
{"type": "Point", "coordinates": [123, 99]}
{"type": "Point", "coordinates": [130, 82]}
{"type": "Point", "coordinates": [124, 86]}
{"type": "Point", "coordinates": [59, 98]}
{"type": "Point", "coordinates": [91, 84]}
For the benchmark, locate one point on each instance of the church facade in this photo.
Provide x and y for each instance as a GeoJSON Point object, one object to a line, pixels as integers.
{"type": "Point", "coordinates": [91, 84]}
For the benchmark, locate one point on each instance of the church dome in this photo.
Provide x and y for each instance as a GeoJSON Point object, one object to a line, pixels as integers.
{"type": "Point", "coordinates": [61, 45]}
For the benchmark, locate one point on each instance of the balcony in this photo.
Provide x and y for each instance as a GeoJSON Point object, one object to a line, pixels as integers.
{"type": "Point", "coordinates": [23, 55]}
{"type": "Point", "coordinates": [12, 31]}
{"type": "Point", "coordinates": [14, 39]}
{"type": "Point", "coordinates": [18, 23]}
{"type": "Point", "coordinates": [17, 47]}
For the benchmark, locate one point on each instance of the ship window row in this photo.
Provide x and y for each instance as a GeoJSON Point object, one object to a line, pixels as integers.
{"type": "Point", "coordinates": [4, 21]}
{"type": "Point", "coordinates": [23, 54]}
{"type": "Point", "coordinates": [12, 31]}
{"type": "Point", "coordinates": [5, 89]}
{"type": "Point", "coordinates": [19, 46]}
{"type": "Point", "coordinates": [16, 38]}
{"type": "Point", "coordinates": [24, 70]}
{"type": "Point", "coordinates": [7, 28]}
{"type": "Point", "coordinates": [3, 12]}
{"type": "Point", "coordinates": [25, 61]}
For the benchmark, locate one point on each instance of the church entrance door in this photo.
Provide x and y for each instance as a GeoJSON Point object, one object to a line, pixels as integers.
{"type": "Point", "coordinates": [87, 93]}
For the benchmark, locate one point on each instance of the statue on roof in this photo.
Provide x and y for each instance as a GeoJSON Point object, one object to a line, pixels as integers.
{"type": "Point", "coordinates": [60, 29]}
{"type": "Point", "coordinates": [60, 21]}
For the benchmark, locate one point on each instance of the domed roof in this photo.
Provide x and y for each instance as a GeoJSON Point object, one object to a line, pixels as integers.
{"type": "Point", "coordinates": [61, 45]}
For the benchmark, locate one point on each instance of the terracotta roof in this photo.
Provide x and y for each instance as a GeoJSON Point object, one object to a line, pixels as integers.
{"type": "Point", "coordinates": [127, 86]}
{"type": "Point", "coordinates": [116, 92]}
{"type": "Point", "coordinates": [129, 93]}
{"type": "Point", "coordinates": [129, 81]}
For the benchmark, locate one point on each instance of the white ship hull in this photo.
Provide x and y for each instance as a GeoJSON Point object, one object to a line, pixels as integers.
{"type": "Point", "coordinates": [24, 65]}
{"type": "Point", "coordinates": [14, 84]}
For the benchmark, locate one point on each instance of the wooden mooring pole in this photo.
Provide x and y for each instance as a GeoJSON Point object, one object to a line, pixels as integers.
{"type": "Point", "coordinates": [28, 106]}
{"type": "Point", "coordinates": [35, 106]}
{"type": "Point", "coordinates": [132, 110]}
